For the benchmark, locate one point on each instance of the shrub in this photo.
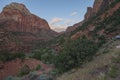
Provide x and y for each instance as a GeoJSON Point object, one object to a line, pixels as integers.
{"type": "Point", "coordinates": [10, 78]}
{"type": "Point", "coordinates": [24, 70]}
{"type": "Point", "coordinates": [44, 77]}
{"type": "Point", "coordinates": [32, 76]}
{"type": "Point", "coordinates": [101, 40]}
{"type": "Point", "coordinates": [38, 53]}
{"type": "Point", "coordinates": [44, 55]}
{"type": "Point", "coordinates": [38, 67]}
{"type": "Point", "coordinates": [6, 55]}
{"type": "Point", "coordinates": [53, 72]}
{"type": "Point", "coordinates": [48, 58]}
{"type": "Point", "coordinates": [19, 55]}
{"type": "Point", "coordinates": [114, 3]}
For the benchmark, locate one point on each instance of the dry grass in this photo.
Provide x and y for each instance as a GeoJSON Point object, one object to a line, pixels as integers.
{"type": "Point", "coordinates": [97, 68]}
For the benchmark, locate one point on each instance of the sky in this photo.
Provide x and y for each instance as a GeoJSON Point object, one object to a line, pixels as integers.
{"type": "Point", "coordinates": [58, 13]}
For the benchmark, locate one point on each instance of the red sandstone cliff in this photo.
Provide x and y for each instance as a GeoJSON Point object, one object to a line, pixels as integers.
{"type": "Point", "coordinates": [88, 13]}
{"type": "Point", "coordinates": [98, 7]}
{"type": "Point", "coordinates": [21, 28]}
{"type": "Point", "coordinates": [25, 21]}
{"type": "Point", "coordinates": [107, 29]}
{"type": "Point", "coordinates": [72, 28]}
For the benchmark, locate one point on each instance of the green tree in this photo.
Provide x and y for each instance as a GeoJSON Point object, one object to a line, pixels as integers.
{"type": "Point", "coordinates": [75, 53]}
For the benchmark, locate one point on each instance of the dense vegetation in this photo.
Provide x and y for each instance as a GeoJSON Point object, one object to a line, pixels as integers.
{"type": "Point", "coordinates": [75, 53]}
{"type": "Point", "coordinates": [44, 54]}
{"type": "Point", "coordinates": [7, 56]}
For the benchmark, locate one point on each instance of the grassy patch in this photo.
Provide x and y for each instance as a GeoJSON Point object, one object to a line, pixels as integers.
{"type": "Point", "coordinates": [113, 72]}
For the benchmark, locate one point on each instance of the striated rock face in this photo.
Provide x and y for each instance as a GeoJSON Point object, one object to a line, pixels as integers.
{"type": "Point", "coordinates": [25, 21]}
{"type": "Point", "coordinates": [97, 27]}
{"type": "Point", "coordinates": [23, 27]}
{"type": "Point", "coordinates": [88, 13]}
{"type": "Point", "coordinates": [98, 7]}
{"type": "Point", "coordinates": [83, 32]}
{"type": "Point", "coordinates": [92, 11]}
{"type": "Point", "coordinates": [72, 28]}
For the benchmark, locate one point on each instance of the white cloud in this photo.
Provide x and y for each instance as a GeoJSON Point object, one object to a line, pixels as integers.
{"type": "Point", "coordinates": [55, 25]}
{"type": "Point", "coordinates": [58, 28]}
{"type": "Point", "coordinates": [60, 24]}
{"type": "Point", "coordinates": [55, 20]}
{"type": "Point", "coordinates": [74, 13]}
{"type": "Point", "coordinates": [68, 21]}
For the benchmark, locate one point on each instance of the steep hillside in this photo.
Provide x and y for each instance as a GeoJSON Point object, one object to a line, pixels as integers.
{"type": "Point", "coordinates": [105, 23]}
{"type": "Point", "coordinates": [98, 7]}
{"type": "Point", "coordinates": [24, 27]}
{"type": "Point", "coordinates": [98, 28]}
{"type": "Point", "coordinates": [104, 66]}
{"type": "Point", "coordinates": [101, 24]}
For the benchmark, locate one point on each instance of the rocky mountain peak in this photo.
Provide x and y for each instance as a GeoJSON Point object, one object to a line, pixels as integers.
{"type": "Point", "coordinates": [98, 7]}
{"type": "Point", "coordinates": [19, 18]}
{"type": "Point", "coordinates": [16, 7]}
{"type": "Point", "coordinates": [27, 28]}
{"type": "Point", "coordinates": [88, 13]}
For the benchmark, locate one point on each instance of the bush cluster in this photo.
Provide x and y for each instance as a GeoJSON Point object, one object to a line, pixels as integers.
{"type": "Point", "coordinates": [74, 54]}
{"type": "Point", "coordinates": [7, 56]}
